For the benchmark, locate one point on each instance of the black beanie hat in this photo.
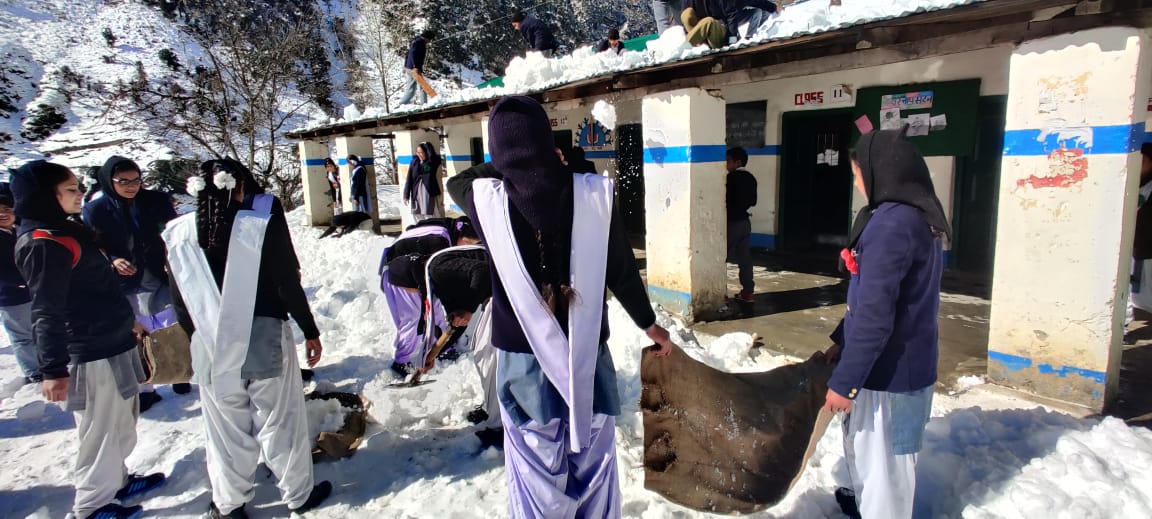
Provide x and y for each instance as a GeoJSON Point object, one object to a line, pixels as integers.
{"type": "Point", "coordinates": [524, 151]}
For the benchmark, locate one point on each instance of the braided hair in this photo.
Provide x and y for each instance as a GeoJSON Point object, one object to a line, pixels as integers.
{"type": "Point", "coordinates": [215, 206]}
{"type": "Point", "coordinates": [555, 280]}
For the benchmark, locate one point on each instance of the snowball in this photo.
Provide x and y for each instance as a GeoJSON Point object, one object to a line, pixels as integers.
{"type": "Point", "coordinates": [351, 113]}
{"type": "Point", "coordinates": [605, 113]}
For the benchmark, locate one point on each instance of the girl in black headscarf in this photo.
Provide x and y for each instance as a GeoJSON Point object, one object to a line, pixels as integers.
{"type": "Point", "coordinates": [887, 342]}
{"type": "Point", "coordinates": [422, 186]}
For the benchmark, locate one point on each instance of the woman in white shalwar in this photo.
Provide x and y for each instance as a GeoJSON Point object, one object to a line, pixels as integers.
{"type": "Point", "coordinates": [236, 279]}
{"type": "Point", "coordinates": [555, 245]}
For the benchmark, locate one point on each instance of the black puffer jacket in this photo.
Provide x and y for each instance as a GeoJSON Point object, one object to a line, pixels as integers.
{"type": "Point", "coordinates": [79, 312]}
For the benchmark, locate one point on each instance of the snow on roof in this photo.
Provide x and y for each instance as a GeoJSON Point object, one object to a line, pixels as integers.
{"type": "Point", "coordinates": [534, 73]}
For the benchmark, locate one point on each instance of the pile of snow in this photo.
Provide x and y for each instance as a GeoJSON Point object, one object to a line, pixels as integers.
{"type": "Point", "coordinates": [534, 73]}
{"type": "Point", "coordinates": [325, 416]}
{"type": "Point", "coordinates": [985, 455]}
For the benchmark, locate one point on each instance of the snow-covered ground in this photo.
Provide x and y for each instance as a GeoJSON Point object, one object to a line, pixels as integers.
{"type": "Point", "coordinates": [985, 455]}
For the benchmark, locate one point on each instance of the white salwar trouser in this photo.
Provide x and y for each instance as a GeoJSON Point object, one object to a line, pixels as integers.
{"type": "Point", "coordinates": [107, 432]}
{"type": "Point", "coordinates": [884, 482]}
{"type": "Point", "coordinates": [546, 481]}
{"type": "Point", "coordinates": [268, 418]}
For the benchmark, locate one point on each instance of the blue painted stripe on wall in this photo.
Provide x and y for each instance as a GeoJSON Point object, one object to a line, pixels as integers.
{"type": "Point", "coordinates": [765, 151]}
{"type": "Point", "coordinates": [1106, 140]}
{"type": "Point", "coordinates": [405, 160]}
{"type": "Point", "coordinates": [675, 300]}
{"type": "Point", "coordinates": [366, 161]}
{"type": "Point", "coordinates": [312, 162]}
{"type": "Point", "coordinates": [685, 154]}
{"type": "Point", "coordinates": [456, 208]}
{"type": "Point", "coordinates": [1017, 363]}
{"type": "Point", "coordinates": [600, 154]}
{"type": "Point", "coordinates": [763, 241]}
{"type": "Point", "coordinates": [459, 158]}
{"type": "Point", "coordinates": [487, 158]}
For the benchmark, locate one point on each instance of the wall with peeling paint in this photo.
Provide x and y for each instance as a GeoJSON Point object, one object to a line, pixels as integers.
{"type": "Point", "coordinates": [1075, 121]}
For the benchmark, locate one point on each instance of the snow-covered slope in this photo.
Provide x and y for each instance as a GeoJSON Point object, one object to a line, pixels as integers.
{"type": "Point", "coordinates": [985, 455]}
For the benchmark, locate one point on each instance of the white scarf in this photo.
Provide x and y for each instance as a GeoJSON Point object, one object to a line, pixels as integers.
{"type": "Point", "coordinates": [223, 318]}
{"type": "Point", "coordinates": [569, 364]}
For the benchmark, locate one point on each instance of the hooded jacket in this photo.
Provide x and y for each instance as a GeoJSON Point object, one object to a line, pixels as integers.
{"type": "Point", "coordinates": [79, 312]}
{"type": "Point", "coordinates": [539, 191]}
{"type": "Point", "coordinates": [130, 228]}
{"type": "Point", "coordinates": [889, 333]}
{"type": "Point", "coordinates": [13, 289]}
{"type": "Point", "coordinates": [538, 35]}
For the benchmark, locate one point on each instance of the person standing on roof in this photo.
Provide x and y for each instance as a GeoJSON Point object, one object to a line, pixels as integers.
{"type": "Point", "coordinates": [414, 64]}
{"type": "Point", "coordinates": [667, 13]}
{"type": "Point", "coordinates": [721, 22]}
{"type": "Point", "coordinates": [613, 43]}
{"type": "Point", "coordinates": [537, 33]}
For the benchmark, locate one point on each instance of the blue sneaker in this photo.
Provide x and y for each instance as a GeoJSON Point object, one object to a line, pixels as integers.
{"type": "Point", "coordinates": [140, 484]}
{"type": "Point", "coordinates": [115, 511]}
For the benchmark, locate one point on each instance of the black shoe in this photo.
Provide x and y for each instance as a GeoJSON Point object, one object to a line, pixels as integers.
{"type": "Point", "coordinates": [403, 370]}
{"type": "Point", "coordinates": [320, 492]}
{"type": "Point", "coordinates": [493, 437]}
{"type": "Point", "coordinates": [182, 389]}
{"type": "Point", "coordinates": [140, 484]}
{"type": "Point", "coordinates": [846, 498]}
{"type": "Point", "coordinates": [477, 415]}
{"type": "Point", "coordinates": [307, 374]}
{"type": "Point", "coordinates": [148, 399]}
{"type": "Point", "coordinates": [238, 513]}
{"type": "Point", "coordinates": [449, 354]}
{"type": "Point", "coordinates": [115, 511]}
{"type": "Point", "coordinates": [34, 379]}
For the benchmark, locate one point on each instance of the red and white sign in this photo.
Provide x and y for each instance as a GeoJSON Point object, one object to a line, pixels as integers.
{"type": "Point", "coordinates": [834, 95]}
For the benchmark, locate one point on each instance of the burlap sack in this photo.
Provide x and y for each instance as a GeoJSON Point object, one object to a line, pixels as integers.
{"type": "Point", "coordinates": [167, 356]}
{"type": "Point", "coordinates": [342, 444]}
{"type": "Point", "coordinates": [731, 443]}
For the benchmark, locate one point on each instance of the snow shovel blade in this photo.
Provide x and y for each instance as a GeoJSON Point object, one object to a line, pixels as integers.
{"type": "Point", "coordinates": [406, 384]}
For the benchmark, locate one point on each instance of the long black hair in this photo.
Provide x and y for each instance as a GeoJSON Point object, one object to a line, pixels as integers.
{"type": "Point", "coordinates": [216, 207]}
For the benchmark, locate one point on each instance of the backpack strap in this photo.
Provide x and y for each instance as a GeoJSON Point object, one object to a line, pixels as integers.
{"type": "Point", "coordinates": [68, 242]}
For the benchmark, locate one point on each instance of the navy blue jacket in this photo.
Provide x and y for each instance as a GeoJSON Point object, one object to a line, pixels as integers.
{"type": "Point", "coordinates": [416, 52]}
{"type": "Point", "coordinates": [889, 334]}
{"type": "Point", "coordinates": [537, 34]}
{"type": "Point", "coordinates": [13, 289]}
{"type": "Point", "coordinates": [131, 230]}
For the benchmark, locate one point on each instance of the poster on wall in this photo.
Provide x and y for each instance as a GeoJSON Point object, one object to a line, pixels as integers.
{"type": "Point", "coordinates": [890, 119]}
{"type": "Point", "coordinates": [908, 101]}
{"type": "Point", "coordinates": [918, 124]}
{"type": "Point", "coordinates": [939, 123]}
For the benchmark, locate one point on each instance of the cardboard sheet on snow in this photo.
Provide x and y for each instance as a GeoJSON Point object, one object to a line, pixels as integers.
{"type": "Point", "coordinates": [731, 443]}
{"type": "Point", "coordinates": [343, 443]}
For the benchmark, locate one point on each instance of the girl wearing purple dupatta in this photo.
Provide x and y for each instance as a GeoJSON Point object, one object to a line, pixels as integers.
{"type": "Point", "coordinates": [555, 245]}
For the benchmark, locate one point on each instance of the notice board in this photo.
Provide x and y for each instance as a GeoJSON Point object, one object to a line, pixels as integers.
{"type": "Point", "coordinates": [745, 124]}
{"type": "Point", "coordinates": [948, 108]}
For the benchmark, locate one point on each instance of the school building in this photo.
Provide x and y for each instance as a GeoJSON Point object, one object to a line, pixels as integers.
{"type": "Point", "coordinates": [1030, 113]}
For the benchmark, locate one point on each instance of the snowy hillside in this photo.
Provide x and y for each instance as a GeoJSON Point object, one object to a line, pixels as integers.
{"type": "Point", "coordinates": [985, 456]}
